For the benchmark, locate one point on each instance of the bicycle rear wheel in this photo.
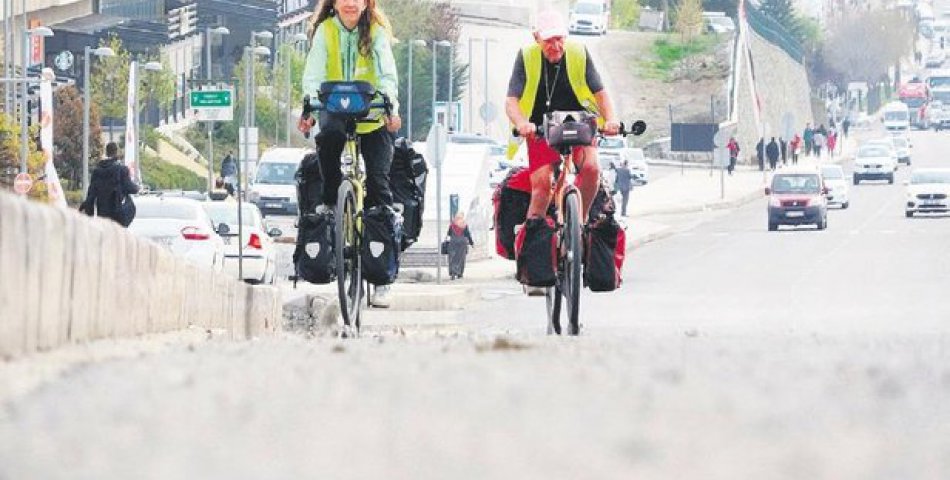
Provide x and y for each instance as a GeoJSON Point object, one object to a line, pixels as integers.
{"type": "Point", "coordinates": [348, 267]}
{"type": "Point", "coordinates": [571, 262]}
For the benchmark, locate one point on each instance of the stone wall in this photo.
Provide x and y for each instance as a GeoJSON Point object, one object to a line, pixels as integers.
{"type": "Point", "coordinates": [782, 85]}
{"type": "Point", "coordinates": [67, 278]}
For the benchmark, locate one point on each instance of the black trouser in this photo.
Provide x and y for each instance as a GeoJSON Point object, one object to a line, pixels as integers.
{"type": "Point", "coordinates": [377, 149]}
{"type": "Point", "coordinates": [624, 199]}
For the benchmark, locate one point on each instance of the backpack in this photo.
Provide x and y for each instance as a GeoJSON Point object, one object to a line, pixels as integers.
{"type": "Point", "coordinates": [536, 247]}
{"type": "Point", "coordinates": [604, 255]}
{"type": "Point", "coordinates": [124, 211]}
{"type": "Point", "coordinates": [310, 183]}
{"type": "Point", "coordinates": [315, 258]}
{"type": "Point", "coordinates": [510, 201]}
{"type": "Point", "coordinates": [407, 179]}
{"type": "Point", "coordinates": [379, 250]}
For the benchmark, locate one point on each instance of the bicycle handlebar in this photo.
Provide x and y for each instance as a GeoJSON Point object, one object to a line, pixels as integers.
{"type": "Point", "coordinates": [636, 128]}
{"type": "Point", "coordinates": [309, 108]}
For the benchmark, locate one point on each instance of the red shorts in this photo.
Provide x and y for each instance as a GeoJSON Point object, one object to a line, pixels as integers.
{"type": "Point", "coordinates": [541, 154]}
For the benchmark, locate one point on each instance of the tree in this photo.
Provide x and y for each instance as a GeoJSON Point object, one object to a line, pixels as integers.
{"type": "Point", "coordinates": [689, 18]}
{"type": "Point", "coordinates": [10, 157]}
{"type": "Point", "coordinates": [158, 86]}
{"type": "Point", "coordinates": [110, 80]}
{"type": "Point", "coordinates": [783, 12]}
{"type": "Point", "coordinates": [862, 46]}
{"type": "Point", "coordinates": [67, 138]}
{"type": "Point", "coordinates": [625, 15]}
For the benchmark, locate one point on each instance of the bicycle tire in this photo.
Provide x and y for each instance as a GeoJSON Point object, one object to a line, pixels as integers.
{"type": "Point", "coordinates": [572, 260]}
{"type": "Point", "coordinates": [348, 268]}
{"type": "Point", "coordinates": [552, 299]}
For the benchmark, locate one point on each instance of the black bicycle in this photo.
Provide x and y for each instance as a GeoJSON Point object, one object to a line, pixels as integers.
{"type": "Point", "coordinates": [564, 131]}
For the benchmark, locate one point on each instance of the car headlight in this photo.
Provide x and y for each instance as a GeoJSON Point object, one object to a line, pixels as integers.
{"type": "Point", "coordinates": [774, 202]}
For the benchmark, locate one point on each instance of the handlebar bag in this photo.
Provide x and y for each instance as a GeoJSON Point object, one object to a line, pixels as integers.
{"type": "Point", "coordinates": [571, 129]}
{"type": "Point", "coordinates": [352, 99]}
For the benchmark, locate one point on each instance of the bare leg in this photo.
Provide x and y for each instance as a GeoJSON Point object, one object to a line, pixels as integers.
{"type": "Point", "coordinates": [540, 191]}
{"type": "Point", "coordinates": [589, 177]}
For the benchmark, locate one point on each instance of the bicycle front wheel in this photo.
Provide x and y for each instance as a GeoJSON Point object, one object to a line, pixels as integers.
{"type": "Point", "coordinates": [348, 267]}
{"type": "Point", "coordinates": [573, 253]}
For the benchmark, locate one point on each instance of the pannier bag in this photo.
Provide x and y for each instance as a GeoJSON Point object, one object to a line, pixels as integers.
{"type": "Point", "coordinates": [603, 204]}
{"type": "Point", "coordinates": [536, 246]}
{"type": "Point", "coordinates": [606, 248]}
{"type": "Point", "coordinates": [309, 183]}
{"type": "Point", "coordinates": [510, 201]}
{"type": "Point", "coordinates": [315, 258]}
{"type": "Point", "coordinates": [380, 247]}
{"type": "Point", "coordinates": [570, 129]}
{"type": "Point", "coordinates": [407, 178]}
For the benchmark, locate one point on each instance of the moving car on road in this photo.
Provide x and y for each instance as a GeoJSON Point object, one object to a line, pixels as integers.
{"type": "Point", "coordinates": [797, 196]}
{"type": "Point", "coordinates": [874, 161]}
{"type": "Point", "coordinates": [901, 148]}
{"type": "Point", "coordinates": [838, 190]}
{"type": "Point", "coordinates": [260, 253]}
{"type": "Point", "coordinates": [273, 188]}
{"type": "Point", "coordinates": [181, 226]}
{"type": "Point", "coordinates": [589, 16]}
{"type": "Point", "coordinates": [927, 191]}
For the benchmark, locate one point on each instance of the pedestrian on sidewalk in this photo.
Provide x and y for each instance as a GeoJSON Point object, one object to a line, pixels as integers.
{"type": "Point", "coordinates": [832, 142]}
{"type": "Point", "coordinates": [845, 126]}
{"type": "Point", "coordinates": [733, 147]}
{"type": "Point", "coordinates": [229, 172]}
{"type": "Point", "coordinates": [459, 238]}
{"type": "Point", "coordinates": [796, 146]}
{"type": "Point", "coordinates": [808, 136]}
{"type": "Point", "coordinates": [819, 142]}
{"type": "Point", "coordinates": [760, 154]}
{"type": "Point", "coordinates": [623, 184]}
{"type": "Point", "coordinates": [772, 151]}
{"type": "Point", "coordinates": [783, 145]}
{"type": "Point", "coordinates": [110, 182]}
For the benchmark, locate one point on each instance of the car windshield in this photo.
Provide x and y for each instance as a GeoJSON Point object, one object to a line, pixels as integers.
{"type": "Point", "coordinates": [942, 96]}
{"type": "Point", "coordinates": [276, 173]}
{"type": "Point", "coordinates": [900, 142]}
{"type": "Point", "coordinates": [611, 143]}
{"type": "Point", "coordinates": [588, 8]}
{"type": "Point", "coordinates": [939, 82]}
{"type": "Point", "coordinates": [932, 176]}
{"type": "Point", "coordinates": [913, 102]}
{"type": "Point", "coordinates": [169, 210]}
{"type": "Point", "coordinates": [227, 213]}
{"type": "Point", "coordinates": [898, 116]}
{"type": "Point", "coordinates": [873, 151]}
{"type": "Point", "coordinates": [832, 173]}
{"type": "Point", "coordinates": [795, 183]}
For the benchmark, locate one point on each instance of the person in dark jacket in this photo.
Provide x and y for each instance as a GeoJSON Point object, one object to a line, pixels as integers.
{"type": "Point", "coordinates": [459, 238]}
{"type": "Point", "coordinates": [772, 151]}
{"type": "Point", "coordinates": [623, 184]}
{"type": "Point", "coordinates": [108, 178]}
{"type": "Point", "coordinates": [760, 153]}
{"type": "Point", "coordinates": [784, 146]}
{"type": "Point", "coordinates": [229, 171]}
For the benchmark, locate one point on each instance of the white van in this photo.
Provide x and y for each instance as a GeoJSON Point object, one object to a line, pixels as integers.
{"type": "Point", "coordinates": [896, 117]}
{"type": "Point", "coordinates": [272, 185]}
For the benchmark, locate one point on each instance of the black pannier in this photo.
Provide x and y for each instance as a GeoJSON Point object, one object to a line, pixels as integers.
{"type": "Point", "coordinates": [315, 258]}
{"type": "Point", "coordinates": [379, 250]}
{"type": "Point", "coordinates": [407, 178]}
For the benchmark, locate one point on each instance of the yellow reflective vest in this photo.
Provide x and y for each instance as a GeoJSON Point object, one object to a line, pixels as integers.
{"type": "Point", "coordinates": [363, 71]}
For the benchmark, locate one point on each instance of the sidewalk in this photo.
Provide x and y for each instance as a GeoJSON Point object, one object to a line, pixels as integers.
{"type": "Point", "coordinates": [693, 190]}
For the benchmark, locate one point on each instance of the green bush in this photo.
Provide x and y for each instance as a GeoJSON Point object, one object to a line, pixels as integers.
{"type": "Point", "coordinates": [160, 175]}
{"type": "Point", "coordinates": [625, 15]}
{"type": "Point", "coordinates": [669, 50]}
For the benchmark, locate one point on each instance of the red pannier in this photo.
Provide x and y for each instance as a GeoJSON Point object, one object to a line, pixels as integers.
{"type": "Point", "coordinates": [510, 200]}
{"type": "Point", "coordinates": [536, 247]}
{"type": "Point", "coordinates": [606, 248]}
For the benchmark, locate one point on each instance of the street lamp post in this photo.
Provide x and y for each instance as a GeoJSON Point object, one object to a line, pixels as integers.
{"type": "Point", "coordinates": [250, 53]}
{"type": "Point", "coordinates": [412, 45]}
{"type": "Point", "coordinates": [147, 67]}
{"type": "Point", "coordinates": [89, 52]}
{"type": "Point", "coordinates": [265, 35]}
{"type": "Point", "coordinates": [295, 40]}
{"type": "Point", "coordinates": [208, 32]}
{"type": "Point", "coordinates": [438, 165]}
{"type": "Point", "coordinates": [27, 35]}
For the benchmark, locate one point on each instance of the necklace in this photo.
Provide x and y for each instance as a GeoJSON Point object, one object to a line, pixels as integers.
{"type": "Point", "coordinates": [549, 88]}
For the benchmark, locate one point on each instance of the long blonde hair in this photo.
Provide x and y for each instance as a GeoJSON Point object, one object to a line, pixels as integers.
{"type": "Point", "coordinates": [372, 14]}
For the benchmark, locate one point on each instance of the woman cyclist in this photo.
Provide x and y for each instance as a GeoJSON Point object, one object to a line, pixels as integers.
{"type": "Point", "coordinates": [351, 40]}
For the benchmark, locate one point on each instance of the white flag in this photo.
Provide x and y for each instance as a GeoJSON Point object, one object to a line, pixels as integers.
{"type": "Point", "coordinates": [131, 136]}
{"type": "Point", "coordinates": [53, 188]}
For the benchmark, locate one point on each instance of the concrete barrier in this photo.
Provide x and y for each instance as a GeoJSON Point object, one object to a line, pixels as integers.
{"type": "Point", "coordinates": [67, 278]}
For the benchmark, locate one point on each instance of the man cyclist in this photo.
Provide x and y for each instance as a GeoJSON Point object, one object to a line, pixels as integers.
{"type": "Point", "coordinates": [351, 41]}
{"type": "Point", "coordinates": [556, 74]}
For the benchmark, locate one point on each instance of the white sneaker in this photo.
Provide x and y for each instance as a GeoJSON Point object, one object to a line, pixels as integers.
{"type": "Point", "coordinates": [534, 291]}
{"type": "Point", "coordinates": [323, 209]}
{"type": "Point", "coordinates": [380, 296]}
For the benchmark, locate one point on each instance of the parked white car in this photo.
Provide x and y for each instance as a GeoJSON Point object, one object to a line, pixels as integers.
{"type": "Point", "coordinates": [874, 161]}
{"type": "Point", "coordinates": [589, 16]}
{"type": "Point", "coordinates": [838, 191]}
{"type": "Point", "coordinates": [181, 226]}
{"type": "Point", "coordinates": [611, 151]}
{"type": "Point", "coordinates": [928, 191]}
{"type": "Point", "coordinates": [260, 253]}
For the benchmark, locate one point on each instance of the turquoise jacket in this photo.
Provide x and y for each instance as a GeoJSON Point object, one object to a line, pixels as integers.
{"type": "Point", "coordinates": [315, 72]}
